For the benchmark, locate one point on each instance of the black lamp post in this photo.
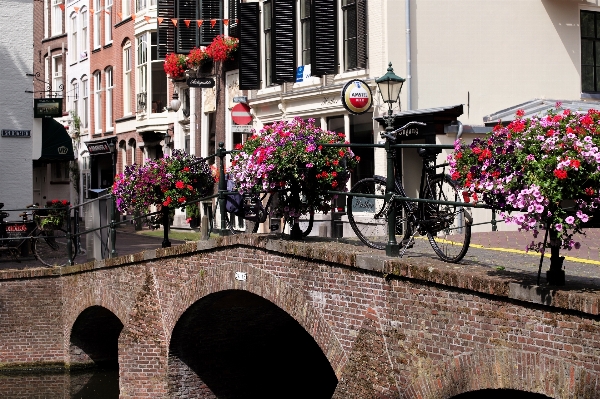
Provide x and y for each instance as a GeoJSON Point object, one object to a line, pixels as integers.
{"type": "Point", "coordinates": [390, 86]}
{"type": "Point", "coordinates": [113, 232]}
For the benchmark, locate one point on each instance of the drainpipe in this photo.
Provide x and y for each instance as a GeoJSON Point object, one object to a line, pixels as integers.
{"type": "Point", "coordinates": [408, 55]}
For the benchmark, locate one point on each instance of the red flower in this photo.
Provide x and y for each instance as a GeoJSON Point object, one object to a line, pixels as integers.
{"type": "Point", "coordinates": [575, 163]}
{"type": "Point", "coordinates": [179, 184]}
{"type": "Point", "coordinates": [334, 184]}
{"type": "Point", "coordinates": [189, 187]}
{"type": "Point", "coordinates": [590, 191]}
{"type": "Point", "coordinates": [466, 196]}
{"type": "Point", "coordinates": [64, 202]}
{"type": "Point", "coordinates": [560, 174]}
{"type": "Point", "coordinates": [520, 113]}
{"type": "Point", "coordinates": [181, 199]}
{"type": "Point", "coordinates": [186, 168]}
{"type": "Point", "coordinates": [167, 201]}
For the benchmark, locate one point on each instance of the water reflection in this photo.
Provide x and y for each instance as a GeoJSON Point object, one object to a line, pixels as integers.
{"type": "Point", "coordinates": [82, 384]}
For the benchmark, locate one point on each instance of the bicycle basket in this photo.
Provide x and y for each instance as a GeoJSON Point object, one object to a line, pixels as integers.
{"type": "Point", "coordinates": [234, 203]}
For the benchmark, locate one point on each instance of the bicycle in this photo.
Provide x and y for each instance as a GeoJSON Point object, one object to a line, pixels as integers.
{"type": "Point", "coordinates": [21, 238]}
{"type": "Point", "coordinates": [248, 207]}
{"type": "Point", "coordinates": [447, 226]}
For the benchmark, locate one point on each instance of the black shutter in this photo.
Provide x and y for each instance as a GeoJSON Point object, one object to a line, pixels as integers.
{"type": "Point", "coordinates": [284, 41]}
{"type": "Point", "coordinates": [249, 28]}
{"type": "Point", "coordinates": [210, 9]}
{"type": "Point", "coordinates": [166, 30]}
{"type": "Point", "coordinates": [323, 46]}
{"type": "Point", "coordinates": [361, 33]}
{"type": "Point", "coordinates": [233, 16]}
{"type": "Point", "coordinates": [186, 37]}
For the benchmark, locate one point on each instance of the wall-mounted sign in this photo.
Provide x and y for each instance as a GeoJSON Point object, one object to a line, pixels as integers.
{"type": "Point", "coordinates": [241, 128]}
{"type": "Point", "coordinates": [240, 114]}
{"type": "Point", "coordinates": [98, 147]}
{"type": "Point", "coordinates": [16, 133]}
{"type": "Point", "coordinates": [302, 73]}
{"type": "Point", "coordinates": [47, 107]}
{"type": "Point", "coordinates": [205, 83]}
{"type": "Point", "coordinates": [240, 99]}
{"type": "Point", "coordinates": [357, 97]}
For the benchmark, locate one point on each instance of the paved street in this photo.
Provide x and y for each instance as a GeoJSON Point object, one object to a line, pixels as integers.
{"type": "Point", "coordinates": [500, 252]}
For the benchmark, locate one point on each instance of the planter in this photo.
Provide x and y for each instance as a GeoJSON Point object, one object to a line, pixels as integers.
{"type": "Point", "coordinates": [45, 224]}
{"type": "Point", "coordinates": [195, 223]}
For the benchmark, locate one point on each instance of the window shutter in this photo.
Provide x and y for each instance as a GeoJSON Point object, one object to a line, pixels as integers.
{"type": "Point", "coordinates": [249, 49]}
{"type": "Point", "coordinates": [186, 37]}
{"type": "Point", "coordinates": [323, 47]}
{"type": "Point", "coordinates": [361, 33]}
{"type": "Point", "coordinates": [166, 30]}
{"type": "Point", "coordinates": [284, 41]}
{"type": "Point", "coordinates": [210, 9]}
{"type": "Point", "coordinates": [233, 16]}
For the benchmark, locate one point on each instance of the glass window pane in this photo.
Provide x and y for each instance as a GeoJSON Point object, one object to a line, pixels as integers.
{"type": "Point", "coordinates": [587, 52]}
{"type": "Point", "coordinates": [597, 78]}
{"type": "Point", "coordinates": [587, 24]}
{"type": "Point", "coordinates": [587, 78]}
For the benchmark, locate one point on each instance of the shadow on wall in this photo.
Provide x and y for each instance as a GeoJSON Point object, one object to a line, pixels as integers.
{"type": "Point", "coordinates": [500, 394]}
{"type": "Point", "coordinates": [237, 344]}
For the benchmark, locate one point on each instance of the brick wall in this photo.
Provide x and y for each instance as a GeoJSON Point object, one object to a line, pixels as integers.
{"type": "Point", "coordinates": [415, 327]}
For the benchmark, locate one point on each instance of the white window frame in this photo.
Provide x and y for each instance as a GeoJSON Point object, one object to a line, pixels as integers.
{"type": "Point", "coordinates": [85, 34]}
{"type": "Point", "coordinates": [126, 8]}
{"type": "Point", "coordinates": [142, 63]}
{"type": "Point", "coordinates": [57, 74]}
{"type": "Point", "coordinates": [97, 102]}
{"type": "Point", "coordinates": [74, 46]}
{"type": "Point", "coordinates": [127, 79]}
{"type": "Point", "coordinates": [47, 18]}
{"type": "Point", "coordinates": [97, 23]}
{"type": "Point", "coordinates": [75, 97]}
{"type": "Point", "coordinates": [85, 107]}
{"type": "Point", "coordinates": [56, 23]}
{"type": "Point", "coordinates": [108, 82]}
{"type": "Point", "coordinates": [108, 17]}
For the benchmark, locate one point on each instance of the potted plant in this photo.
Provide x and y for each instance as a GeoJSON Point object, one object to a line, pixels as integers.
{"type": "Point", "coordinates": [289, 157]}
{"type": "Point", "coordinates": [547, 167]}
{"type": "Point", "coordinates": [170, 181]}
{"type": "Point", "coordinates": [199, 60]}
{"type": "Point", "coordinates": [53, 216]}
{"type": "Point", "coordinates": [192, 213]}
{"type": "Point", "coordinates": [175, 65]}
{"type": "Point", "coordinates": [222, 48]}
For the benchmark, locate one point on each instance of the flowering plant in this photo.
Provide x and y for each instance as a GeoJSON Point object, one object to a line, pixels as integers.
{"type": "Point", "coordinates": [222, 48]}
{"type": "Point", "coordinates": [53, 216]}
{"type": "Point", "coordinates": [536, 165]}
{"type": "Point", "coordinates": [170, 181]}
{"type": "Point", "coordinates": [175, 65]}
{"type": "Point", "coordinates": [197, 57]}
{"type": "Point", "coordinates": [289, 156]}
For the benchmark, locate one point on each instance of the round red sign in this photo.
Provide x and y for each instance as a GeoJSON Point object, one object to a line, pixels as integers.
{"type": "Point", "coordinates": [240, 114]}
{"type": "Point", "coordinates": [357, 97]}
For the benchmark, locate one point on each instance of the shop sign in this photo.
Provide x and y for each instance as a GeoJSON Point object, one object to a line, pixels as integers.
{"type": "Point", "coordinates": [205, 83]}
{"type": "Point", "coordinates": [16, 133]}
{"type": "Point", "coordinates": [357, 97]}
{"type": "Point", "coordinates": [98, 147]}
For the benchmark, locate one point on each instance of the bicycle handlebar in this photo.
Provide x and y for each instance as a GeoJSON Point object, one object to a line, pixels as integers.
{"type": "Point", "coordinates": [392, 135]}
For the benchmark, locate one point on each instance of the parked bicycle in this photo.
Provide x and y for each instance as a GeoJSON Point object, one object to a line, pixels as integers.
{"type": "Point", "coordinates": [447, 226]}
{"type": "Point", "coordinates": [245, 212]}
{"type": "Point", "coordinates": [19, 239]}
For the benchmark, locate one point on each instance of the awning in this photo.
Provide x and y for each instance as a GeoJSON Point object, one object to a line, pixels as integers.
{"type": "Point", "coordinates": [57, 145]}
{"type": "Point", "coordinates": [537, 107]}
{"type": "Point", "coordinates": [435, 118]}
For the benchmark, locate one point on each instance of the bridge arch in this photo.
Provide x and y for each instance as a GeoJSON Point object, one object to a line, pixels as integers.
{"type": "Point", "coordinates": [506, 369]}
{"type": "Point", "coordinates": [290, 299]}
{"type": "Point", "coordinates": [234, 343]}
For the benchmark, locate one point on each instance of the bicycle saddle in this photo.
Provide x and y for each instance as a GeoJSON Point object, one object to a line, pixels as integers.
{"type": "Point", "coordinates": [425, 152]}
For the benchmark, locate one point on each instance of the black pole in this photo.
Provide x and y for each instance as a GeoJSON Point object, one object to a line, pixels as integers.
{"type": "Point", "coordinates": [69, 238]}
{"type": "Point", "coordinates": [555, 275]}
{"type": "Point", "coordinates": [165, 222]}
{"type": "Point", "coordinates": [392, 248]}
{"type": "Point", "coordinates": [113, 208]}
{"type": "Point", "coordinates": [223, 231]}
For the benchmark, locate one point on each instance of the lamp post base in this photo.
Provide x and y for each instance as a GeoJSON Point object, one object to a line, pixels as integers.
{"type": "Point", "coordinates": [556, 275]}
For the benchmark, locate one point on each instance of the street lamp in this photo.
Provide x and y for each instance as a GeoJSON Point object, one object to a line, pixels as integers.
{"type": "Point", "coordinates": [389, 86]}
{"type": "Point", "coordinates": [175, 103]}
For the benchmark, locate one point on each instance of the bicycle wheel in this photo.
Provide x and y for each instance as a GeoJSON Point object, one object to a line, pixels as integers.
{"type": "Point", "coordinates": [448, 226]}
{"type": "Point", "coordinates": [50, 248]}
{"type": "Point", "coordinates": [368, 217]}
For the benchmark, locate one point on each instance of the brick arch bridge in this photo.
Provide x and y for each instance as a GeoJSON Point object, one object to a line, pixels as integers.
{"type": "Point", "coordinates": [406, 328]}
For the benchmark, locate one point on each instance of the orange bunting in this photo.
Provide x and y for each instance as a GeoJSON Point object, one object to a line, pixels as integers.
{"type": "Point", "coordinates": [199, 22]}
{"type": "Point", "coordinates": [147, 18]}
{"type": "Point", "coordinates": [225, 22]}
{"type": "Point", "coordinates": [160, 19]}
{"type": "Point", "coordinates": [62, 6]}
{"type": "Point", "coordinates": [174, 20]}
{"type": "Point", "coordinates": [187, 22]}
{"type": "Point", "coordinates": [212, 23]}
{"type": "Point", "coordinates": [76, 9]}
{"type": "Point", "coordinates": [133, 17]}
{"type": "Point", "coordinates": [107, 12]}
{"type": "Point", "coordinates": [120, 14]}
{"type": "Point", "coordinates": [91, 12]}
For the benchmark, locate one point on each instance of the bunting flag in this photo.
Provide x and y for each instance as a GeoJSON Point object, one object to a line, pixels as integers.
{"type": "Point", "coordinates": [107, 12]}
{"type": "Point", "coordinates": [212, 23]}
{"type": "Point", "coordinates": [187, 22]}
{"type": "Point", "coordinates": [199, 22]}
{"type": "Point", "coordinates": [160, 19]}
{"type": "Point", "coordinates": [147, 18]}
{"type": "Point", "coordinates": [174, 20]}
{"type": "Point", "coordinates": [133, 17]}
{"type": "Point", "coordinates": [62, 6]}
{"type": "Point", "coordinates": [76, 9]}
{"type": "Point", "coordinates": [120, 15]}
{"type": "Point", "coordinates": [225, 22]}
{"type": "Point", "coordinates": [91, 12]}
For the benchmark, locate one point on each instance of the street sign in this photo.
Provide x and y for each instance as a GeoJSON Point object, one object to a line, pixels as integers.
{"type": "Point", "coordinates": [99, 147]}
{"type": "Point", "coordinates": [240, 99]}
{"type": "Point", "coordinates": [16, 133]}
{"type": "Point", "coordinates": [241, 128]}
{"type": "Point", "coordinates": [201, 82]}
{"type": "Point", "coordinates": [240, 114]}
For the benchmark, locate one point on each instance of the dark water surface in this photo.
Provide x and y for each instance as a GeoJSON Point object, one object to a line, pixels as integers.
{"type": "Point", "coordinates": [82, 384]}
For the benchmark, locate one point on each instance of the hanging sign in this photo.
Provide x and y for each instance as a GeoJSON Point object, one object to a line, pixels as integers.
{"type": "Point", "coordinates": [357, 97]}
{"type": "Point", "coordinates": [99, 147]}
{"type": "Point", "coordinates": [206, 83]}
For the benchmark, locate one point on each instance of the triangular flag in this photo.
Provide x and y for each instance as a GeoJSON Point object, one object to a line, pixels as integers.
{"type": "Point", "coordinates": [212, 23]}
{"type": "Point", "coordinates": [107, 12]}
{"type": "Point", "coordinates": [91, 12]}
{"type": "Point", "coordinates": [76, 9]}
{"type": "Point", "coordinates": [147, 18]}
{"type": "Point", "coordinates": [120, 14]}
{"type": "Point", "coordinates": [187, 22]}
{"type": "Point", "coordinates": [174, 20]}
{"type": "Point", "coordinates": [62, 6]}
{"type": "Point", "coordinates": [199, 22]}
{"type": "Point", "coordinates": [225, 22]}
{"type": "Point", "coordinates": [160, 19]}
{"type": "Point", "coordinates": [133, 17]}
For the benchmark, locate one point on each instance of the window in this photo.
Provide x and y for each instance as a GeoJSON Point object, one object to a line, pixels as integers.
{"type": "Point", "coordinates": [85, 111]}
{"type": "Point", "coordinates": [268, 61]}
{"type": "Point", "coordinates": [46, 19]}
{"type": "Point", "coordinates": [158, 77]}
{"type": "Point", "coordinates": [73, 52]}
{"type": "Point", "coordinates": [57, 76]}
{"type": "Point", "coordinates": [126, 8]}
{"type": "Point", "coordinates": [97, 14]}
{"type": "Point", "coordinates": [140, 5]}
{"type": "Point", "coordinates": [142, 64]}
{"type": "Point", "coordinates": [305, 31]}
{"type": "Point", "coordinates": [127, 79]}
{"type": "Point", "coordinates": [75, 97]}
{"type": "Point", "coordinates": [57, 17]}
{"type": "Point", "coordinates": [108, 17]}
{"type": "Point", "coordinates": [97, 102]}
{"type": "Point", "coordinates": [85, 38]}
{"type": "Point", "coordinates": [233, 10]}
{"type": "Point", "coordinates": [60, 172]}
{"type": "Point", "coordinates": [108, 77]}
{"type": "Point", "coordinates": [355, 34]}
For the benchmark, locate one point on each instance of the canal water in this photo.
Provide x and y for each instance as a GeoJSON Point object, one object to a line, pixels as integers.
{"type": "Point", "coordinates": [81, 384]}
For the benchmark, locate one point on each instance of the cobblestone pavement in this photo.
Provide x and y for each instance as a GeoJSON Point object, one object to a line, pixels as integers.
{"type": "Point", "coordinates": [499, 251]}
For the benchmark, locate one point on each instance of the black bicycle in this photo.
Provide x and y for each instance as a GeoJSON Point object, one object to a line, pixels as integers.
{"type": "Point", "coordinates": [446, 225]}
{"type": "Point", "coordinates": [245, 212]}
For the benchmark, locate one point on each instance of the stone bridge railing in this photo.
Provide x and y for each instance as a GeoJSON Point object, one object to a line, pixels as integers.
{"type": "Point", "coordinates": [387, 327]}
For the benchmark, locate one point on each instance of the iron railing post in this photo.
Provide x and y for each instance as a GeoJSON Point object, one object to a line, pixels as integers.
{"type": "Point", "coordinates": [392, 248]}
{"type": "Point", "coordinates": [113, 230]}
{"type": "Point", "coordinates": [165, 222]}
{"type": "Point", "coordinates": [69, 238]}
{"type": "Point", "coordinates": [222, 188]}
